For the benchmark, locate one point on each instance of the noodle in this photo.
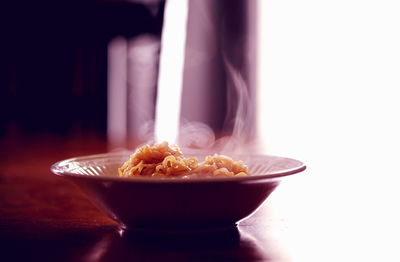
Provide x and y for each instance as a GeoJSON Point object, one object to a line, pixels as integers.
{"type": "Point", "coordinates": [164, 160]}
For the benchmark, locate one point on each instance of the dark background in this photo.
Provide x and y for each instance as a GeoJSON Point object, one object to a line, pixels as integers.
{"type": "Point", "coordinates": [53, 62]}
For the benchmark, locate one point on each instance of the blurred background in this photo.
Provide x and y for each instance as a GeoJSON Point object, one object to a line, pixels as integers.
{"type": "Point", "coordinates": [316, 76]}
{"type": "Point", "coordinates": [53, 66]}
{"type": "Point", "coordinates": [314, 80]}
{"type": "Point", "coordinates": [85, 68]}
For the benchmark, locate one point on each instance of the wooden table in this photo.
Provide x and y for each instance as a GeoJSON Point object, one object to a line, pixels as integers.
{"type": "Point", "coordinates": [45, 218]}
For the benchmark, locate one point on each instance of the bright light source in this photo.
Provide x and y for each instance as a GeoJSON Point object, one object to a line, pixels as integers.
{"type": "Point", "coordinates": [170, 79]}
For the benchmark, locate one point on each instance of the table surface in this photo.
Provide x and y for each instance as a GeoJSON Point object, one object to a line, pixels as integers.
{"type": "Point", "coordinates": [46, 218]}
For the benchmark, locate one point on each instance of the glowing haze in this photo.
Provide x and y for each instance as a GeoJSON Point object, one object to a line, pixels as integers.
{"type": "Point", "coordinates": [195, 136]}
{"type": "Point", "coordinates": [171, 71]}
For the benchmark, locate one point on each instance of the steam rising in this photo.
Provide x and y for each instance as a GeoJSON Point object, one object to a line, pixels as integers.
{"type": "Point", "coordinates": [241, 119]}
{"type": "Point", "coordinates": [139, 66]}
{"type": "Point", "coordinates": [197, 137]}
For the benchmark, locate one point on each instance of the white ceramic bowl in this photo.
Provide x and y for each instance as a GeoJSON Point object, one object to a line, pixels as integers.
{"type": "Point", "coordinates": [165, 204]}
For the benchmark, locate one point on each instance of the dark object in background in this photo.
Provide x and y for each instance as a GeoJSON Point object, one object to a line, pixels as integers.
{"type": "Point", "coordinates": [53, 61]}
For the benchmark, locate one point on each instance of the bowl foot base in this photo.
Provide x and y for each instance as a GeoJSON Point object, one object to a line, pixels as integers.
{"type": "Point", "coordinates": [125, 230]}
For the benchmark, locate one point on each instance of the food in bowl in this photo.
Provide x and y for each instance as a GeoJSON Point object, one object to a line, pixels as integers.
{"type": "Point", "coordinates": [165, 160]}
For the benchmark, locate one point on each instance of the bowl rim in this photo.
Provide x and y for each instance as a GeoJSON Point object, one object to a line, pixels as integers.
{"type": "Point", "coordinates": [56, 168]}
